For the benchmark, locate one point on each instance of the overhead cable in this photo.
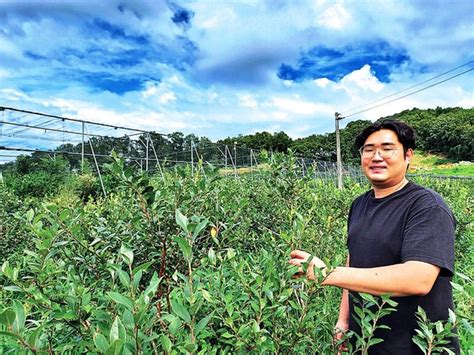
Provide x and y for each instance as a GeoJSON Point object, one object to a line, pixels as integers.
{"type": "Point", "coordinates": [408, 88]}
{"type": "Point", "coordinates": [409, 94]}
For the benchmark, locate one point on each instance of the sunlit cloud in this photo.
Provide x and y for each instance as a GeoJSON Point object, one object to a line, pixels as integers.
{"type": "Point", "coordinates": [236, 68]}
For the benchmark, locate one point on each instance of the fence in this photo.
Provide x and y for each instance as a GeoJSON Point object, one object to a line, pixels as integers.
{"type": "Point", "coordinates": [80, 142]}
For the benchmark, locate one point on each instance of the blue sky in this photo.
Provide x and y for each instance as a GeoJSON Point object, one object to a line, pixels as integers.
{"type": "Point", "coordinates": [221, 68]}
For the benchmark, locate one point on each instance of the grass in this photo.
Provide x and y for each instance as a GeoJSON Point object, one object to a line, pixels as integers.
{"type": "Point", "coordinates": [422, 163]}
{"type": "Point", "coordinates": [427, 163]}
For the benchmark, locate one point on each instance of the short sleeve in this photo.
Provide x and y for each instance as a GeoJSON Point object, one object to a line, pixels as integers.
{"type": "Point", "coordinates": [429, 237]}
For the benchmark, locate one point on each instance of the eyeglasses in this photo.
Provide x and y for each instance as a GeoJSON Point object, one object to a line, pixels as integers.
{"type": "Point", "coordinates": [385, 152]}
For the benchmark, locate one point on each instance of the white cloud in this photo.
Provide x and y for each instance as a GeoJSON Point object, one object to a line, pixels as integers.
{"type": "Point", "coordinates": [363, 79]}
{"type": "Point", "coordinates": [248, 100]}
{"type": "Point", "coordinates": [13, 95]}
{"type": "Point", "coordinates": [335, 17]}
{"type": "Point", "coordinates": [167, 97]}
{"type": "Point", "coordinates": [322, 82]}
{"type": "Point", "coordinates": [231, 85]}
{"type": "Point", "coordinates": [299, 106]}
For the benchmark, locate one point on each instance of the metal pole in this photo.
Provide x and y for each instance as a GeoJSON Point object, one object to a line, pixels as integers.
{"type": "Point", "coordinates": [82, 153]}
{"type": "Point", "coordinates": [338, 117]}
{"type": "Point", "coordinates": [192, 158]}
{"type": "Point", "coordinates": [97, 167]}
{"type": "Point", "coordinates": [147, 144]}
{"type": "Point", "coordinates": [226, 149]}
{"type": "Point", "coordinates": [251, 163]}
{"type": "Point", "coordinates": [235, 159]}
{"type": "Point", "coordinates": [156, 157]}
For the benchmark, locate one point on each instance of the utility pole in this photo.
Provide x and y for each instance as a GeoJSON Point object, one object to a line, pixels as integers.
{"type": "Point", "coordinates": [192, 157]}
{"type": "Point", "coordinates": [82, 150]}
{"type": "Point", "coordinates": [337, 118]}
{"type": "Point", "coordinates": [147, 148]}
{"type": "Point", "coordinates": [235, 160]}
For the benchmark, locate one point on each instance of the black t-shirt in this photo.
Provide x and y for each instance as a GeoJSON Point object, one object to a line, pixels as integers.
{"type": "Point", "coordinates": [412, 224]}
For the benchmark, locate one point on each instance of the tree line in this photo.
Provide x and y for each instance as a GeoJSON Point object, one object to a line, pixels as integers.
{"type": "Point", "coordinates": [445, 131]}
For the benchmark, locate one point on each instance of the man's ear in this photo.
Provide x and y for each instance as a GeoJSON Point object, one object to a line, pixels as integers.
{"type": "Point", "coordinates": [409, 155]}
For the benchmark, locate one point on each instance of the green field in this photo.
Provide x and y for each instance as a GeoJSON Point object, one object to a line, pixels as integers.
{"type": "Point", "coordinates": [424, 163]}
{"type": "Point", "coordinates": [186, 263]}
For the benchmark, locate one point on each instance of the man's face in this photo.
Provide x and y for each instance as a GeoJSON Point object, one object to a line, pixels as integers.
{"type": "Point", "coordinates": [387, 166]}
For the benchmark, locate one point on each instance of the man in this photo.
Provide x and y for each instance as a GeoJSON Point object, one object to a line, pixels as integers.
{"type": "Point", "coordinates": [400, 241]}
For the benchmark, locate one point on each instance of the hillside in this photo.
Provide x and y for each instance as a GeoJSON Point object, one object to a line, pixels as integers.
{"type": "Point", "coordinates": [433, 164]}
{"type": "Point", "coordinates": [445, 131]}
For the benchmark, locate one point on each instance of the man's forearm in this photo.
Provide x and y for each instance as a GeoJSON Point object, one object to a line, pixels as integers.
{"type": "Point", "coordinates": [407, 279]}
{"type": "Point", "coordinates": [344, 308]}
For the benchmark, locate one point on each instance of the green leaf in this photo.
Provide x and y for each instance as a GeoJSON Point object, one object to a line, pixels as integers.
{"type": "Point", "coordinates": [191, 347]}
{"type": "Point", "coordinates": [7, 317]}
{"type": "Point", "coordinates": [184, 246]}
{"type": "Point", "coordinates": [121, 299]}
{"type": "Point", "coordinates": [166, 343]}
{"type": "Point", "coordinates": [29, 215]}
{"type": "Point", "coordinates": [391, 302]}
{"type": "Point", "coordinates": [206, 295]}
{"type": "Point", "coordinates": [32, 253]}
{"type": "Point", "coordinates": [227, 335]}
{"type": "Point", "coordinates": [175, 324]}
{"type": "Point", "coordinates": [101, 342]}
{"type": "Point", "coordinates": [13, 289]}
{"type": "Point", "coordinates": [136, 279]}
{"type": "Point", "coordinates": [182, 221]}
{"type": "Point", "coordinates": [367, 297]}
{"type": "Point", "coordinates": [6, 269]}
{"type": "Point", "coordinates": [124, 278]}
{"type": "Point", "coordinates": [452, 316]}
{"type": "Point", "coordinates": [128, 320]}
{"type": "Point", "coordinates": [20, 317]}
{"type": "Point", "coordinates": [457, 286]}
{"type": "Point", "coordinates": [467, 326]}
{"type": "Point", "coordinates": [255, 326]}
{"type": "Point", "coordinates": [153, 286]}
{"type": "Point", "coordinates": [10, 334]}
{"type": "Point", "coordinates": [181, 311]}
{"type": "Point", "coordinates": [374, 341]}
{"type": "Point", "coordinates": [127, 254]}
{"type": "Point", "coordinates": [212, 256]}
{"type": "Point", "coordinates": [95, 241]}
{"type": "Point", "coordinates": [117, 331]}
{"type": "Point", "coordinates": [34, 336]}
{"type": "Point", "coordinates": [116, 348]}
{"type": "Point", "coordinates": [199, 228]}
{"type": "Point", "coordinates": [202, 323]}
{"type": "Point", "coordinates": [142, 267]}
{"type": "Point", "coordinates": [439, 327]}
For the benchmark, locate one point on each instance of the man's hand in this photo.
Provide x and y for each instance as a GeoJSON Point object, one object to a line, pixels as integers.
{"type": "Point", "coordinates": [339, 330]}
{"type": "Point", "coordinates": [298, 257]}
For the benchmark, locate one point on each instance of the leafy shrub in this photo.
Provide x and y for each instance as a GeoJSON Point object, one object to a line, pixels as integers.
{"type": "Point", "coordinates": [186, 263]}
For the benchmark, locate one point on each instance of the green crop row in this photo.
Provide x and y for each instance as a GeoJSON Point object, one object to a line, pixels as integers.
{"type": "Point", "coordinates": [192, 263]}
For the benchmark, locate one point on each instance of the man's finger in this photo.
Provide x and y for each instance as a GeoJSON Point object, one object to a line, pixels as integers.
{"type": "Point", "coordinates": [299, 254]}
{"type": "Point", "coordinates": [296, 262]}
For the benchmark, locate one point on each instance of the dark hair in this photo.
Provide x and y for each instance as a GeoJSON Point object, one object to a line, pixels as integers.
{"type": "Point", "coordinates": [405, 133]}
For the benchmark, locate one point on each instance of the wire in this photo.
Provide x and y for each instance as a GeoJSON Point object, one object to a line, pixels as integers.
{"type": "Point", "coordinates": [412, 93]}
{"type": "Point", "coordinates": [408, 88]}
{"type": "Point", "coordinates": [3, 108]}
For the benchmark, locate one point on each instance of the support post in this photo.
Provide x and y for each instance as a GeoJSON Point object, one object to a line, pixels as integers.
{"type": "Point", "coordinates": [82, 149]}
{"type": "Point", "coordinates": [147, 148]}
{"type": "Point", "coordinates": [226, 149]}
{"type": "Point", "coordinates": [251, 163]}
{"type": "Point", "coordinates": [235, 160]}
{"type": "Point", "coordinates": [192, 158]}
{"type": "Point", "coordinates": [338, 151]}
{"type": "Point", "coordinates": [97, 167]}
{"type": "Point", "coordinates": [156, 157]}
